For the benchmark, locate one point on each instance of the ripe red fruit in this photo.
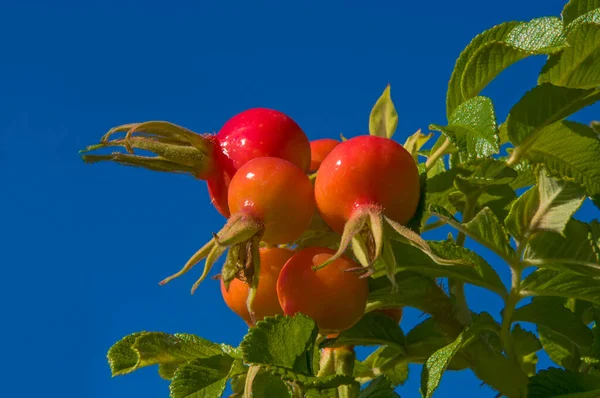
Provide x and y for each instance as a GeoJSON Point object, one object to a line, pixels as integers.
{"type": "Point", "coordinates": [275, 193]}
{"type": "Point", "coordinates": [363, 183]}
{"type": "Point", "coordinates": [319, 149]}
{"type": "Point", "coordinates": [265, 302]}
{"type": "Point", "coordinates": [257, 132]}
{"type": "Point", "coordinates": [333, 298]}
{"type": "Point", "coordinates": [272, 200]}
{"type": "Point", "coordinates": [367, 171]}
{"type": "Point", "coordinates": [254, 133]}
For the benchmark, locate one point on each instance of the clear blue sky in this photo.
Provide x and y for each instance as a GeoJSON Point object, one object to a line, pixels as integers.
{"type": "Point", "coordinates": [84, 246]}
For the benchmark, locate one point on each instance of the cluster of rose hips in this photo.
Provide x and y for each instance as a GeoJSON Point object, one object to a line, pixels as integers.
{"type": "Point", "coordinates": [274, 186]}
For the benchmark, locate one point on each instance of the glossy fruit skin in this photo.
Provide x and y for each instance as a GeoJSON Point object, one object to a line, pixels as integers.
{"type": "Point", "coordinates": [262, 132]}
{"type": "Point", "coordinates": [276, 193]}
{"type": "Point", "coordinates": [253, 133]}
{"type": "Point", "coordinates": [319, 149]}
{"type": "Point", "coordinates": [266, 303]}
{"type": "Point", "coordinates": [335, 299]}
{"type": "Point", "coordinates": [367, 170]}
{"type": "Point", "coordinates": [394, 313]}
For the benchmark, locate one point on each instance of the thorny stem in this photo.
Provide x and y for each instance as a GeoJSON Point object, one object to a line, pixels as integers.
{"type": "Point", "coordinates": [436, 155]}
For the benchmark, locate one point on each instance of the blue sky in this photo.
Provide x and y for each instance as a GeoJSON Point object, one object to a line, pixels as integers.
{"type": "Point", "coordinates": [84, 246]}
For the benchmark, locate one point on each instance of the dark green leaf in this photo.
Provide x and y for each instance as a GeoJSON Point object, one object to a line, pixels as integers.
{"type": "Point", "coordinates": [570, 151]}
{"type": "Point", "coordinates": [384, 118]}
{"type": "Point", "coordinates": [285, 342]}
{"type": "Point", "coordinates": [497, 48]}
{"type": "Point", "coordinates": [373, 329]}
{"type": "Point", "coordinates": [475, 270]}
{"type": "Point", "coordinates": [558, 383]}
{"type": "Point", "coordinates": [425, 339]}
{"type": "Point", "coordinates": [545, 282]}
{"type": "Point", "coordinates": [437, 363]}
{"type": "Point", "coordinates": [413, 290]}
{"type": "Point", "coordinates": [202, 377]}
{"type": "Point", "coordinates": [547, 207]}
{"type": "Point", "coordinates": [316, 393]}
{"type": "Point", "coordinates": [267, 385]}
{"type": "Point", "coordinates": [485, 229]}
{"type": "Point", "coordinates": [571, 252]}
{"type": "Point", "coordinates": [525, 175]}
{"type": "Point", "coordinates": [542, 106]}
{"type": "Point", "coordinates": [166, 371]}
{"type": "Point", "coordinates": [379, 388]}
{"type": "Point", "coordinates": [578, 65]}
{"type": "Point", "coordinates": [386, 361]}
{"type": "Point", "coordinates": [525, 346]}
{"type": "Point", "coordinates": [150, 348]}
{"type": "Point", "coordinates": [576, 8]}
{"type": "Point", "coordinates": [472, 128]}
{"type": "Point", "coordinates": [494, 368]}
{"type": "Point", "coordinates": [554, 316]}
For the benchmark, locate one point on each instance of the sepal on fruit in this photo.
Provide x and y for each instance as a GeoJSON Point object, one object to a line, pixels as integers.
{"type": "Point", "coordinates": [176, 148]}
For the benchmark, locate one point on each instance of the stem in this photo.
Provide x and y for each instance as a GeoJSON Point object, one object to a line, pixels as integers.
{"type": "Point", "coordinates": [432, 226]}
{"type": "Point", "coordinates": [457, 288]}
{"type": "Point", "coordinates": [436, 155]}
{"type": "Point", "coordinates": [511, 302]}
{"type": "Point", "coordinates": [344, 358]}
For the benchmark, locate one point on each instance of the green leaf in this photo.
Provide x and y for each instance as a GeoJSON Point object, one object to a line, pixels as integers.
{"type": "Point", "coordinates": [150, 348]}
{"type": "Point", "coordinates": [545, 282]}
{"type": "Point", "coordinates": [525, 346]}
{"type": "Point", "coordinates": [425, 339]}
{"type": "Point", "coordinates": [525, 175]}
{"type": "Point", "coordinates": [285, 342]}
{"type": "Point", "coordinates": [553, 315]}
{"type": "Point", "coordinates": [167, 371]}
{"type": "Point", "coordinates": [387, 361]}
{"type": "Point", "coordinates": [472, 128]}
{"type": "Point", "coordinates": [570, 251]}
{"type": "Point", "coordinates": [576, 8]}
{"type": "Point", "coordinates": [547, 207]}
{"type": "Point", "coordinates": [316, 393]}
{"type": "Point", "coordinates": [372, 329]}
{"type": "Point", "coordinates": [384, 118]}
{"type": "Point", "coordinates": [475, 271]}
{"type": "Point", "coordinates": [578, 65]}
{"type": "Point", "coordinates": [594, 238]}
{"type": "Point", "coordinates": [561, 350]}
{"type": "Point", "coordinates": [558, 383]}
{"type": "Point", "coordinates": [437, 363]}
{"type": "Point", "coordinates": [379, 388]}
{"type": "Point", "coordinates": [266, 385]}
{"type": "Point", "coordinates": [494, 50]}
{"type": "Point", "coordinates": [485, 229]}
{"type": "Point", "coordinates": [570, 151]}
{"type": "Point", "coordinates": [595, 126]}
{"type": "Point", "coordinates": [542, 106]}
{"type": "Point", "coordinates": [494, 368]}
{"type": "Point", "coordinates": [415, 142]}
{"type": "Point", "coordinates": [413, 290]}
{"type": "Point", "coordinates": [202, 377]}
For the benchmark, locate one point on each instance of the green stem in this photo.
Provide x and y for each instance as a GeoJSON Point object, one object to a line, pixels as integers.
{"type": "Point", "coordinates": [432, 226]}
{"type": "Point", "coordinates": [511, 302]}
{"type": "Point", "coordinates": [457, 288]}
{"type": "Point", "coordinates": [344, 358]}
{"type": "Point", "coordinates": [436, 155]}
